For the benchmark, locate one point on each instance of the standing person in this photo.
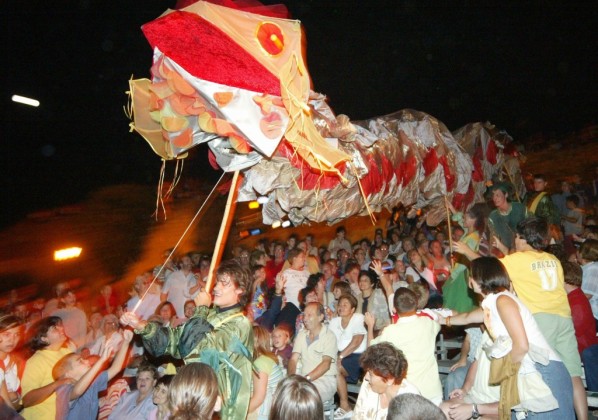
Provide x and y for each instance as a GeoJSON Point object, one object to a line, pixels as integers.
{"type": "Point", "coordinates": [274, 266]}
{"type": "Point", "coordinates": [107, 301]}
{"type": "Point", "coordinates": [180, 286]}
{"type": "Point", "coordinates": [74, 319]}
{"type": "Point", "coordinates": [584, 323]}
{"type": "Point", "coordinates": [455, 292]}
{"type": "Point", "coordinates": [372, 300]}
{"type": "Point", "coordinates": [315, 346]}
{"type": "Point", "coordinates": [504, 218]}
{"type": "Point", "coordinates": [505, 315]}
{"type": "Point", "coordinates": [49, 342]}
{"type": "Point", "coordinates": [350, 332]}
{"type": "Point", "coordinates": [151, 299]}
{"type": "Point", "coordinates": [111, 337]}
{"type": "Point", "coordinates": [539, 202]}
{"type": "Point", "coordinates": [415, 336]}
{"type": "Point", "coordinates": [572, 223]}
{"type": "Point", "coordinates": [295, 280]}
{"type": "Point", "coordinates": [588, 258]}
{"type": "Point", "coordinates": [538, 280]}
{"type": "Point", "coordinates": [339, 242]}
{"type": "Point", "coordinates": [212, 330]}
{"type": "Point", "coordinates": [138, 404]}
{"type": "Point", "coordinates": [559, 200]}
{"type": "Point", "coordinates": [267, 376]}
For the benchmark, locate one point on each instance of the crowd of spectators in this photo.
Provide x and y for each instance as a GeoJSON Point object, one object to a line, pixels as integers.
{"type": "Point", "coordinates": [290, 325]}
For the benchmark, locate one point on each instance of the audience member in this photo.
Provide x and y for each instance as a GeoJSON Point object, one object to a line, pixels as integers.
{"type": "Point", "coordinates": [415, 336]}
{"type": "Point", "coordinates": [38, 386]}
{"type": "Point", "coordinates": [315, 347]}
{"type": "Point", "coordinates": [385, 369]}
{"type": "Point", "coordinates": [74, 319]}
{"type": "Point", "coordinates": [537, 278]}
{"type": "Point", "coordinates": [266, 376]}
{"type": "Point", "coordinates": [137, 405]}
{"type": "Point", "coordinates": [413, 407]}
{"type": "Point", "coordinates": [350, 332]}
{"type": "Point", "coordinates": [296, 399]}
{"type": "Point", "coordinates": [504, 218]}
{"type": "Point", "coordinates": [11, 365]}
{"type": "Point", "coordinates": [194, 394]}
{"type": "Point", "coordinates": [180, 286]}
{"type": "Point", "coordinates": [281, 344]}
{"type": "Point", "coordinates": [79, 400]}
{"type": "Point", "coordinates": [584, 323]}
{"type": "Point", "coordinates": [162, 410]}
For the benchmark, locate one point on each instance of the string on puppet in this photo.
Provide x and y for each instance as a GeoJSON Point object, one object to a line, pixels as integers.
{"type": "Point", "coordinates": [177, 244]}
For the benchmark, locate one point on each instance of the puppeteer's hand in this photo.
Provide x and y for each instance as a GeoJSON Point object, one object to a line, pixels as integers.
{"type": "Point", "coordinates": [133, 320]}
{"type": "Point", "coordinates": [203, 298]}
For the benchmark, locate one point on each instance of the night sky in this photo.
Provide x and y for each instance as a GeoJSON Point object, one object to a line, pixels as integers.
{"type": "Point", "coordinates": [525, 68]}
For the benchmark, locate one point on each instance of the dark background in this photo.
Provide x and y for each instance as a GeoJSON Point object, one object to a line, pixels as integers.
{"type": "Point", "coordinates": [527, 67]}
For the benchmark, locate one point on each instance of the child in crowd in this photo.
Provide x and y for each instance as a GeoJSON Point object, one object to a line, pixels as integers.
{"type": "Point", "coordinates": [79, 400]}
{"type": "Point", "coordinates": [281, 344]}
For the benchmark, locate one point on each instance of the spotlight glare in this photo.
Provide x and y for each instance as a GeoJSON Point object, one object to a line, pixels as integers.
{"type": "Point", "coordinates": [25, 101]}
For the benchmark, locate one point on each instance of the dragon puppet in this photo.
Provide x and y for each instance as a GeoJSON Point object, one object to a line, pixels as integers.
{"type": "Point", "coordinates": [233, 75]}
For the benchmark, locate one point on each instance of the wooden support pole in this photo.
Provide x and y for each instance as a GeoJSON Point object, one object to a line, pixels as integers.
{"type": "Point", "coordinates": [229, 212]}
{"type": "Point", "coordinates": [450, 233]}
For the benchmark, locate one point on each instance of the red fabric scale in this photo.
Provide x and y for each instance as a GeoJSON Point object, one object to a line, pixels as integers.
{"type": "Point", "coordinates": [208, 53]}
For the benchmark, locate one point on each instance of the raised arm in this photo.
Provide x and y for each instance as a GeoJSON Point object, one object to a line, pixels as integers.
{"type": "Point", "coordinates": [121, 355]}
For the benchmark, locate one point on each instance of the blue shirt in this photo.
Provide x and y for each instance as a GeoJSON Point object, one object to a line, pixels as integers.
{"type": "Point", "coordinates": [84, 407]}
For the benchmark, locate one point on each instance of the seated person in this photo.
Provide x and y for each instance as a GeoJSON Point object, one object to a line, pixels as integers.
{"type": "Point", "coordinates": [193, 393]}
{"type": "Point", "coordinates": [413, 407]}
{"type": "Point", "coordinates": [415, 336]}
{"type": "Point", "coordinates": [281, 344]}
{"type": "Point", "coordinates": [136, 405]}
{"type": "Point", "coordinates": [296, 398]}
{"type": "Point", "coordinates": [458, 371]}
{"type": "Point", "coordinates": [476, 396]}
{"type": "Point", "coordinates": [385, 370]}
{"type": "Point", "coordinates": [350, 332]}
{"type": "Point", "coordinates": [315, 347]}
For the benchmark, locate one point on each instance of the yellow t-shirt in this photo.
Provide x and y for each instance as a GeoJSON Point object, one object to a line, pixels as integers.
{"type": "Point", "coordinates": [37, 374]}
{"type": "Point", "coordinates": [538, 281]}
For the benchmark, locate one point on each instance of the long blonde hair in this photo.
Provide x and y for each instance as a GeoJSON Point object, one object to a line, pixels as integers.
{"type": "Point", "coordinates": [261, 343]}
{"type": "Point", "coordinates": [193, 392]}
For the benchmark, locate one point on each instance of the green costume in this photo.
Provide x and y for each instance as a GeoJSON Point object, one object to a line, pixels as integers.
{"type": "Point", "coordinates": [209, 337]}
{"type": "Point", "coordinates": [544, 208]}
{"type": "Point", "coordinates": [455, 292]}
{"type": "Point", "coordinates": [504, 225]}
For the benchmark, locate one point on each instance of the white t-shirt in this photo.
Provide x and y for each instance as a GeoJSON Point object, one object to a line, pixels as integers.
{"type": "Point", "coordinates": [177, 287]}
{"type": "Point", "coordinates": [344, 336]}
{"type": "Point", "coordinates": [367, 405]}
{"type": "Point", "coordinates": [295, 281]}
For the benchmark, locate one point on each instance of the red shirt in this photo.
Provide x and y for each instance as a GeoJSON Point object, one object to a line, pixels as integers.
{"type": "Point", "coordinates": [583, 319]}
